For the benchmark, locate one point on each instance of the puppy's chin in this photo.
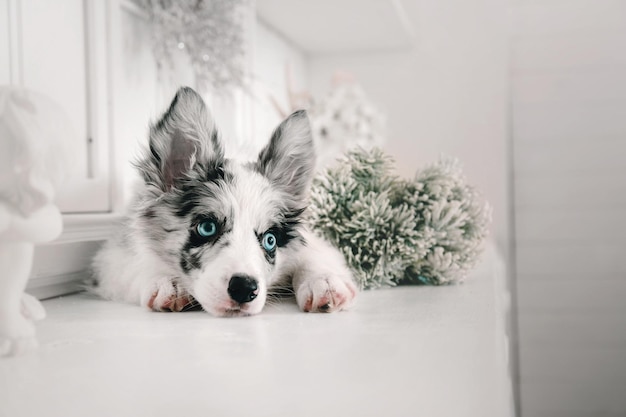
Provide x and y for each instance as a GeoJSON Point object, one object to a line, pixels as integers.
{"type": "Point", "coordinates": [229, 308]}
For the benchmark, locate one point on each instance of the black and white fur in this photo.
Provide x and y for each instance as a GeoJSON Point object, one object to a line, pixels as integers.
{"type": "Point", "coordinates": [160, 260]}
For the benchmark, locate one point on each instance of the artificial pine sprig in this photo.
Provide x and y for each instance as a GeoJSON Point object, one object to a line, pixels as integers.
{"type": "Point", "coordinates": [427, 230]}
{"type": "Point", "coordinates": [453, 216]}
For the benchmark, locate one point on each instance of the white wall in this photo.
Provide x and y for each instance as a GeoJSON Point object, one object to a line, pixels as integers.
{"type": "Point", "coordinates": [274, 57]}
{"type": "Point", "coordinates": [446, 95]}
{"type": "Point", "coordinates": [569, 129]}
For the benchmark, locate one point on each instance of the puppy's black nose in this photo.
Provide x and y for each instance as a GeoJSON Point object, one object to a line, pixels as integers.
{"type": "Point", "coordinates": [242, 288]}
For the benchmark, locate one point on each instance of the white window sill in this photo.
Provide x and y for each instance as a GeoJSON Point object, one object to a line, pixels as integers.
{"type": "Point", "coordinates": [60, 267]}
{"type": "Point", "coordinates": [431, 351]}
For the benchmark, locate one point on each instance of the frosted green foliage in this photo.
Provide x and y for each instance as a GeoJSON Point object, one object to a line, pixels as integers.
{"type": "Point", "coordinates": [351, 206]}
{"type": "Point", "coordinates": [452, 215]}
{"type": "Point", "coordinates": [427, 230]}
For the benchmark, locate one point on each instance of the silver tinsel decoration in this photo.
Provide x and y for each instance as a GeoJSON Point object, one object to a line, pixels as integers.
{"type": "Point", "coordinates": [210, 31]}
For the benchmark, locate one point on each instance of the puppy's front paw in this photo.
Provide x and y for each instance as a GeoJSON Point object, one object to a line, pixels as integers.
{"type": "Point", "coordinates": [168, 297]}
{"type": "Point", "coordinates": [325, 294]}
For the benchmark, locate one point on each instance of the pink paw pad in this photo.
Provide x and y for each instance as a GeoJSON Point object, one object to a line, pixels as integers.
{"type": "Point", "coordinates": [331, 300]}
{"type": "Point", "coordinates": [173, 302]}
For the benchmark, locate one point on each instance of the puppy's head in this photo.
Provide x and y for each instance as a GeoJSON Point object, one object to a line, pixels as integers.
{"type": "Point", "coordinates": [221, 227]}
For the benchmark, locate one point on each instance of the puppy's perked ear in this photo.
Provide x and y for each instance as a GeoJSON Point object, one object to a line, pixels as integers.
{"type": "Point", "coordinates": [183, 139]}
{"type": "Point", "coordinates": [289, 159]}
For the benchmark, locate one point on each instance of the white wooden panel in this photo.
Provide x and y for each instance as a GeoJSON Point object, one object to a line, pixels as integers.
{"type": "Point", "coordinates": [54, 259]}
{"type": "Point", "coordinates": [557, 17]}
{"type": "Point", "coordinates": [590, 157]}
{"type": "Point", "coordinates": [559, 121]}
{"type": "Point", "coordinates": [63, 55]}
{"type": "Point", "coordinates": [570, 398]}
{"type": "Point", "coordinates": [61, 268]}
{"type": "Point", "coordinates": [5, 51]}
{"type": "Point", "coordinates": [600, 225]}
{"type": "Point", "coordinates": [568, 87]}
{"type": "Point", "coordinates": [552, 192]}
{"type": "Point", "coordinates": [590, 50]}
{"type": "Point", "coordinates": [54, 63]}
{"type": "Point", "coordinates": [570, 297]}
{"type": "Point", "coordinates": [586, 257]}
{"type": "Point", "coordinates": [563, 332]}
{"type": "Point", "coordinates": [599, 366]}
{"type": "Point", "coordinates": [98, 90]}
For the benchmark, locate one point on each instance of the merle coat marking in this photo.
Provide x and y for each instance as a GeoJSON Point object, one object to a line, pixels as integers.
{"type": "Point", "coordinates": [221, 232]}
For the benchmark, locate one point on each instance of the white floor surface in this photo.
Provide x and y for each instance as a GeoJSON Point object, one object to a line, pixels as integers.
{"type": "Point", "coordinates": [408, 351]}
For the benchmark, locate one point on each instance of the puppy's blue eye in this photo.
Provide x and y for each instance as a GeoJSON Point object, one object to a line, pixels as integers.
{"type": "Point", "coordinates": [269, 242]}
{"type": "Point", "coordinates": [206, 228]}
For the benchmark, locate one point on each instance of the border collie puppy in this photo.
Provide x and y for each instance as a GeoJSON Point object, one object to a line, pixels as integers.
{"type": "Point", "coordinates": [221, 232]}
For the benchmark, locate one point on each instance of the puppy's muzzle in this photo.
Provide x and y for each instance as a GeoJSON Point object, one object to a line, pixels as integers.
{"type": "Point", "coordinates": [243, 288]}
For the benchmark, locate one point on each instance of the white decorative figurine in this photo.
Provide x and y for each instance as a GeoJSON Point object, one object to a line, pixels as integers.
{"type": "Point", "coordinates": [33, 131]}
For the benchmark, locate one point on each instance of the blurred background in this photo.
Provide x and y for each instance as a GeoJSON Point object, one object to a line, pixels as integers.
{"type": "Point", "coordinates": [530, 96]}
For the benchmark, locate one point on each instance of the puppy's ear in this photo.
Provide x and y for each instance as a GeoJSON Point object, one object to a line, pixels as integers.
{"type": "Point", "coordinates": [289, 159]}
{"type": "Point", "coordinates": [183, 140]}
